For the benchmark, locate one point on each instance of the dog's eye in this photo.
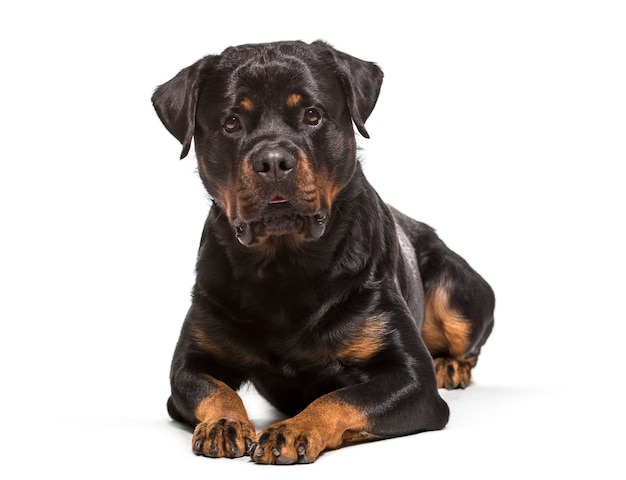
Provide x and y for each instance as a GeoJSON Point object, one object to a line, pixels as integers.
{"type": "Point", "coordinates": [312, 116]}
{"type": "Point", "coordinates": [232, 124]}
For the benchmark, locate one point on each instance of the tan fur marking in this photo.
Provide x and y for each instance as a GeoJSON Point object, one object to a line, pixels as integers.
{"type": "Point", "coordinates": [325, 424]}
{"type": "Point", "coordinates": [204, 342]}
{"type": "Point", "coordinates": [222, 403]}
{"type": "Point", "coordinates": [247, 197]}
{"type": "Point", "coordinates": [246, 104]}
{"type": "Point", "coordinates": [445, 332]}
{"type": "Point", "coordinates": [328, 188]}
{"type": "Point", "coordinates": [225, 202]}
{"type": "Point", "coordinates": [369, 340]}
{"type": "Point", "coordinates": [307, 199]}
{"type": "Point", "coordinates": [223, 424]}
{"type": "Point", "coordinates": [218, 349]}
{"type": "Point", "coordinates": [452, 373]}
{"type": "Point", "coordinates": [294, 100]}
{"type": "Point", "coordinates": [335, 419]}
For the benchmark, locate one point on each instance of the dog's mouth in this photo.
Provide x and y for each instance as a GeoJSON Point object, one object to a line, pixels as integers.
{"type": "Point", "coordinates": [280, 219]}
{"type": "Point", "coordinates": [278, 199]}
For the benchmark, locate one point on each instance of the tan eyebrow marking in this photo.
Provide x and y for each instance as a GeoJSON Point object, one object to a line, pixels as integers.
{"type": "Point", "coordinates": [294, 100]}
{"type": "Point", "coordinates": [246, 104]}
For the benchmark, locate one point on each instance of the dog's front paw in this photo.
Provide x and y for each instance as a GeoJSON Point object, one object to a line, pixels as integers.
{"type": "Point", "coordinates": [224, 438]}
{"type": "Point", "coordinates": [286, 443]}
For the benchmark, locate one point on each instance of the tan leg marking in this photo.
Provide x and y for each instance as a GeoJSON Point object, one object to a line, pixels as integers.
{"type": "Point", "coordinates": [224, 429]}
{"type": "Point", "coordinates": [324, 425]}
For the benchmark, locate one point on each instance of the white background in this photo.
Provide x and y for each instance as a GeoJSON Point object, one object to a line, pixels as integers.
{"type": "Point", "coordinates": [502, 124]}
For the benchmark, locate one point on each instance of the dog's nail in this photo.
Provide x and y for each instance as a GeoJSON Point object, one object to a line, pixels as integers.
{"type": "Point", "coordinates": [259, 451]}
{"type": "Point", "coordinates": [301, 451]}
{"type": "Point", "coordinates": [276, 452]}
{"type": "Point", "coordinates": [197, 447]}
{"type": "Point", "coordinates": [317, 225]}
{"type": "Point", "coordinates": [250, 446]}
{"type": "Point", "coordinates": [242, 232]}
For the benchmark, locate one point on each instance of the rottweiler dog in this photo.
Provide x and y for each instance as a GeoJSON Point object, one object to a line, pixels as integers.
{"type": "Point", "coordinates": [343, 313]}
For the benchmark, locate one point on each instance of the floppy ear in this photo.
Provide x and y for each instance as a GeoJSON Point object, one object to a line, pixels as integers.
{"type": "Point", "coordinates": [361, 82]}
{"type": "Point", "coordinates": [175, 102]}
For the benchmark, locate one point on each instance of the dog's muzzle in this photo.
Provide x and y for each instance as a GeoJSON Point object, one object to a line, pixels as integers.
{"type": "Point", "coordinates": [281, 219]}
{"type": "Point", "coordinates": [278, 195]}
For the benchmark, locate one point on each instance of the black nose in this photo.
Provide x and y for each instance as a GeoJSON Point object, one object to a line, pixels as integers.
{"type": "Point", "coordinates": [273, 162]}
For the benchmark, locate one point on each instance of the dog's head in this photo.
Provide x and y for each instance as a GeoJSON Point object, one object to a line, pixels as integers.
{"type": "Point", "coordinates": [272, 130]}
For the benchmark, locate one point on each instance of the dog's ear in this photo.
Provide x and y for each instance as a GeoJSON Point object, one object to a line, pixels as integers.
{"type": "Point", "coordinates": [175, 102]}
{"type": "Point", "coordinates": [361, 82]}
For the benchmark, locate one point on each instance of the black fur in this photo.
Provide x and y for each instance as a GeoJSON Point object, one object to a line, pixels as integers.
{"type": "Point", "coordinates": [305, 285]}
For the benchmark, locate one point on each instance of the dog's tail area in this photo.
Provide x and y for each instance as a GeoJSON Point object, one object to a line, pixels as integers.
{"type": "Point", "coordinates": [459, 305]}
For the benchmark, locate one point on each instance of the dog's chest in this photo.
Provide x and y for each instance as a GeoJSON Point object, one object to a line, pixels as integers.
{"type": "Point", "coordinates": [289, 340]}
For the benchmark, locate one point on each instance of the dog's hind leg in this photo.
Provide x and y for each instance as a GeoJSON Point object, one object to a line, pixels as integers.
{"type": "Point", "coordinates": [459, 305]}
{"type": "Point", "coordinates": [453, 332]}
{"type": "Point", "coordinates": [458, 317]}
